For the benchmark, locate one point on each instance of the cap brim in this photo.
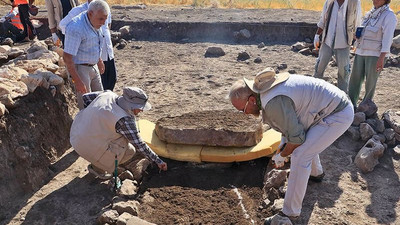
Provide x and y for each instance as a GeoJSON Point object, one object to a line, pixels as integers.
{"type": "Point", "coordinates": [147, 107]}
{"type": "Point", "coordinates": [281, 77]}
{"type": "Point", "coordinates": [250, 84]}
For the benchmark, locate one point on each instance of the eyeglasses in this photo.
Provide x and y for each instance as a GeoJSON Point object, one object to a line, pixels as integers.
{"type": "Point", "coordinates": [245, 106]}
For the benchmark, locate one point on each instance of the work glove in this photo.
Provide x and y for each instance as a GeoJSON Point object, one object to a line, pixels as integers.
{"type": "Point", "coordinates": [54, 37]}
{"type": "Point", "coordinates": [316, 41]}
{"type": "Point", "coordinates": [2, 20]}
{"type": "Point", "coordinates": [279, 160]}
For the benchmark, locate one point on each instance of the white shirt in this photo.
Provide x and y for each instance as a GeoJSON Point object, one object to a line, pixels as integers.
{"type": "Point", "coordinates": [335, 37]}
{"type": "Point", "coordinates": [107, 47]}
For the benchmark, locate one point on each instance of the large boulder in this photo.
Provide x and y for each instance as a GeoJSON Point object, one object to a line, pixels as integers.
{"type": "Point", "coordinates": [211, 128]}
{"type": "Point", "coordinates": [367, 157]}
{"type": "Point", "coordinates": [392, 118]}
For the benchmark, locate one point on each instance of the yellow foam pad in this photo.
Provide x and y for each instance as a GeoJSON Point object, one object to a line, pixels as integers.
{"type": "Point", "coordinates": [196, 153]}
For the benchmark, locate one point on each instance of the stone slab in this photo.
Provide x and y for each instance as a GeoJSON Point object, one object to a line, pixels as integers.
{"type": "Point", "coordinates": [211, 128]}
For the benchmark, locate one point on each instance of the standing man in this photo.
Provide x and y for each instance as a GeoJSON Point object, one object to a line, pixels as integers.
{"type": "Point", "coordinates": [337, 25]}
{"type": "Point", "coordinates": [23, 9]}
{"type": "Point", "coordinates": [83, 46]}
{"type": "Point", "coordinates": [56, 10]}
{"type": "Point", "coordinates": [109, 77]}
{"type": "Point", "coordinates": [310, 113]}
{"type": "Point", "coordinates": [106, 130]}
{"type": "Point", "coordinates": [12, 25]}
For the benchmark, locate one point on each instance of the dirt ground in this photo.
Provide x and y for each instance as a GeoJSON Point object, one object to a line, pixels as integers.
{"type": "Point", "coordinates": [179, 79]}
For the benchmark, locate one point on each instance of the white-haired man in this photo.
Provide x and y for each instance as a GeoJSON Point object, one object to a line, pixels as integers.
{"type": "Point", "coordinates": [83, 47]}
{"type": "Point", "coordinates": [109, 77]}
{"type": "Point", "coordinates": [106, 130]}
{"type": "Point", "coordinates": [310, 113]}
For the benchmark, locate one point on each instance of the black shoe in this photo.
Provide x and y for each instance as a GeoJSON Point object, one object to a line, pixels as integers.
{"type": "Point", "coordinates": [317, 179]}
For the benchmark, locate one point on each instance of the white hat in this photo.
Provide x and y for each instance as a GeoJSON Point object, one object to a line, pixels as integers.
{"type": "Point", "coordinates": [134, 98]}
{"type": "Point", "coordinates": [265, 80]}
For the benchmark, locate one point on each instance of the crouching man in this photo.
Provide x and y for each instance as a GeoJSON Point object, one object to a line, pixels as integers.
{"type": "Point", "coordinates": [309, 112]}
{"type": "Point", "coordinates": [106, 129]}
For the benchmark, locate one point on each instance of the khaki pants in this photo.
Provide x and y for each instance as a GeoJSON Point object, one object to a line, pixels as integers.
{"type": "Point", "coordinates": [90, 76]}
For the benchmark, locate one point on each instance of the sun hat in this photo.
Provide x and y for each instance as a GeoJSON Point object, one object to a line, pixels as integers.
{"type": "Point", "coordinates": [134, 98]}
{"type": "Point", "coordinates": [265, 80]}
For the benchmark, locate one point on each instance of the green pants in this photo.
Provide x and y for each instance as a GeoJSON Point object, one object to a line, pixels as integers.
{"type": "Point", "coordinates": [364, 67]}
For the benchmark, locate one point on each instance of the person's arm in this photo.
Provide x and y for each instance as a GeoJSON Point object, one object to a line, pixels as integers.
{"type": "Point", "coordinates": [281, 114]}
{"type": "Point", "coordinates": [66, 20]}
{"type": "Point", "coordinates": [388, 28]}
{"type": "Point", "coordinates": [358, 14]}
{"type": "Point", "coordinates": [126, 126]}
{"type": "Point", "coordinates": [69, 63]}
{"type": "Point", "coordinates": [50, 16]}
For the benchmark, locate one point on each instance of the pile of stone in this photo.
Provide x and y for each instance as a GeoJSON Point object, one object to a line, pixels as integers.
{"type": "Point", "coordinates": [379, 134]}
{"type": "Point", "coordinates": [25, 70]}
{"type": "Point", "coordinates": [305, 48]}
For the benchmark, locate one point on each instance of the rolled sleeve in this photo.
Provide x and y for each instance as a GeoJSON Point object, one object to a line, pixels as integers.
{"type": "Point", "coordinates": [282, 116]}
{"type": "Point", "coordinates": [388, 28]}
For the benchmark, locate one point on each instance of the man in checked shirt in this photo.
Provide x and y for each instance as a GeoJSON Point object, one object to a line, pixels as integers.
{"type": "Point", "coordinates": [106, 128]}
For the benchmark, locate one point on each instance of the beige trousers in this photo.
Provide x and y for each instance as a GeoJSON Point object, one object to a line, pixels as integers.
{"type": "Point", "coordinates": [90, 76]}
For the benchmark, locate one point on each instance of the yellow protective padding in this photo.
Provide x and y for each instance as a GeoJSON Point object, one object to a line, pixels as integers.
{"type": "Point", "coordinates": [196, 153]}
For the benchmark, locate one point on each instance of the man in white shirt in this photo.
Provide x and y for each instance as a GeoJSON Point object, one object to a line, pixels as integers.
{"type": "Point", "coordinates": [109, 77]}
{"type": "Point", "coordinates": [337, 25]}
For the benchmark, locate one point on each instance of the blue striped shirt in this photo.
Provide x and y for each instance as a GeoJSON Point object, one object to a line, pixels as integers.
{"type": "Point", "coordinates": [83, 41]}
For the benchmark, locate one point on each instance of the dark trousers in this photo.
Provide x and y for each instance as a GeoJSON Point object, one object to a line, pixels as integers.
{"type": "Point", "coordinates": [109, 77]}
{"type": "Point", "coordinates": [25, 20]}
{"type": "Point", "coordinates": [13, 32]}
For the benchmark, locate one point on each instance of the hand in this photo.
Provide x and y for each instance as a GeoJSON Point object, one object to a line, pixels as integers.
{"type": "Point", "coordinates": [316, 41]}
{"type": "Point", "coordinates": [279, 160]}
{"type": "Point", "coordinates": [380, 63]}
{"type": "Point", "coordinates": [2, 20]}
{"type": "Point", "coordinates": [54, 37]}
{"type": "Point", "coordinates": [80, 87]}
{"type": "Point", "coordinates": [101, 66]}
{"type": "Point", "coordinates": [162, 166]}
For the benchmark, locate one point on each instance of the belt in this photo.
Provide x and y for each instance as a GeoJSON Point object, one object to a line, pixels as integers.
{"type": "Point", "coordinates": [87, 64]}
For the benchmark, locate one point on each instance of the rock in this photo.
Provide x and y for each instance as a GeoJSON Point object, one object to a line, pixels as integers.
{"type": "Point", "coordinates": [376, 124]}
{"type": "Point", "coordinates": [125, 30]}
{"type": "Point", "coordinates": [366, 131]}
{"type": "Point", "coordinates": [305, 51]}
{"type": "Point", "coordinates": [44, 54]}
{"type": "Point", "coordinates": [129, 206]}
{"type": "Point", "coordinates": [32, 65]}
{"type": "Point", "coordinates": [109, 216]}
{"type": "Point", "coordinates": [258, 60]}
{"type": "Point", "coordinates": [359, 117]}
{"type": "Point", "coordinates": [12, 72]}
{"type": "Point", "coordinates": [292, 71]}
{"type": "Point", "coordinates": [368, 107]}
{"type": "Point", "coordinates": [280, 220]}
{"type": "Point", "coordinates": [123, 218]}
{"type": "Point", "coordinates": [8, 41]}
{"type": "Point", "coordinates": [389, 133]}
{"type": "Point", "coordinates": [52, 78]}
{"type": "Point", "coordinates": [214, 52]}
{"type": "Point", "coordinates": [15, 52]}
{"type": "Point", "coordinates": [265, 203]}
{"type": "Point", "coordinates": [3, 109]}
{"type": "Point", "coordinates": [282, 66]}
{"type": "Point", "coordinates": [22, 152]}
{"type": "Point", "coordinates": [396, 42]}
{"type": "Point", "coordinates": [367, 157]}
{"type": "Point", "coordinates": [274, 178]}
{"type": "Point", "coordinates": [37, 46]}
{"type": "Point", "coordinates": [245, 33]}
{"type": "Point", "coordinates": [4, 48]}
{"type": "Point", "coordinates": [392, 118]}
{"type": "Point", "coordinates": [396, 135]}
{"type": "Point", "coordinates": [211, 128]}
{"type": "Point", "coordinates": [261, 45]}
{"type": "Point", "coordinates": [115, 37]}
{"type": "Point", "coordinates": [122, 44]}
{"type": "Point", "coordinates": [391, 143]}
{"type": "Point", "coordinates": [354, 133]}
{"type": "Point", "coordinates": [139, 6]}
{"type": "Point", "coordinates": [7, 101]}
{"type": "Point", "coordinates": [278, 205]}
{"type": "Point", "coordinates": [32, 81]}
{"type": "Point", "coordinates": [380, 137]}
{"type": "Point", "coordinates": [396, 150]}
{"type": "Point", "coordinates": [272, 194]}
{"type": "Point", "coordinates": [298, 46]}
{"type": "Point", "coordinates": [14, 88]}
{"type": "Point", "coordinates": [137, 221]}
{"type": "Point", "coordinates": [129, 188]}
{"type": "Point", "coordinates": [242, 56]}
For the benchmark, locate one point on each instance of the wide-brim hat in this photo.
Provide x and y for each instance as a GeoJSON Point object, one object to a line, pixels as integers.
{"type": "Point", "coordinates": [265, 80]}
{"type": "Point", "coordinates": [134, 98]}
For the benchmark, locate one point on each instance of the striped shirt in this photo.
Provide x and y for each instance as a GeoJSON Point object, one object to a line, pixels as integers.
{"type": "Point", "coordinates": [126, 126]}
{"type": "Point", "coordinates": [83, 41]}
